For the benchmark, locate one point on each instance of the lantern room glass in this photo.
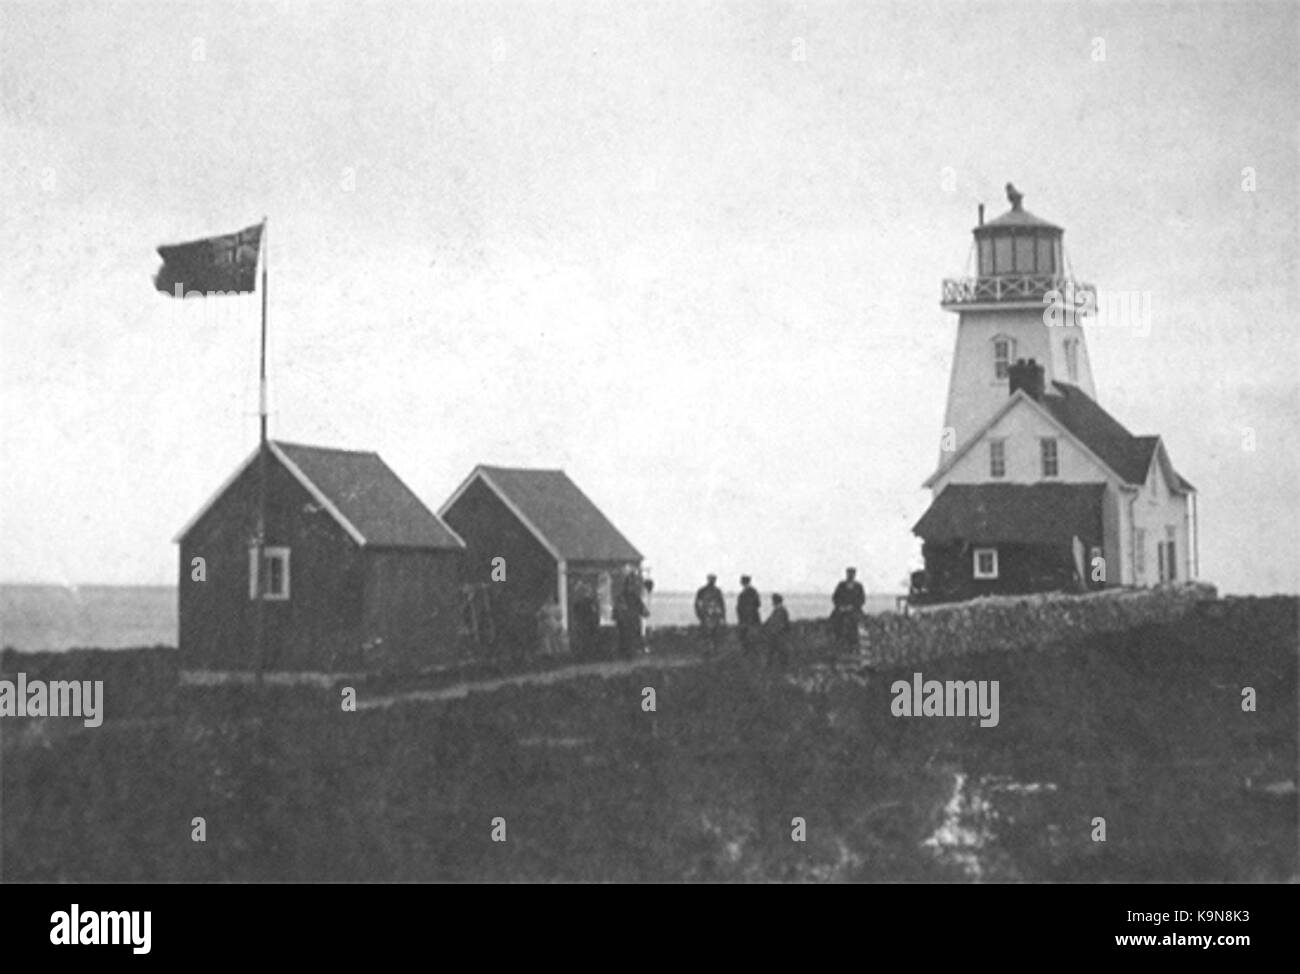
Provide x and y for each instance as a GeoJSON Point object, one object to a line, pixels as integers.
{"type": "Point", "coordinates": [1046, 255]}
{"type": "Point", "coordinates": [1002, 255]}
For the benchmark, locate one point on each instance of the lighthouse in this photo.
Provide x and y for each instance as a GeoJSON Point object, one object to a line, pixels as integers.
{"type": "Point", "coordinates": [1005, 313]}
{"type": "Point", "coordinates": [1039, 488]}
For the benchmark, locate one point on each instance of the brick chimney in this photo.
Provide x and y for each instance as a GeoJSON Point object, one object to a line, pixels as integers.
{"type": "Point", "coordinates": [1027, 375]}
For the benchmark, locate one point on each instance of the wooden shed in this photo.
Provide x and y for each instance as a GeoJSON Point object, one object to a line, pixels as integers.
{"type": "Point", "coordinates": [357, 571]}
{"type": "Point", "coordinates": [553, 541]}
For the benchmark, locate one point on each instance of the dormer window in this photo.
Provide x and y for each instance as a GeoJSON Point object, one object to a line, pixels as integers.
{"type": "Point", "coordinates": [1004, 350]}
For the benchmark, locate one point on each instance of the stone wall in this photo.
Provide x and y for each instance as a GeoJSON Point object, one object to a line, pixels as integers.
{"type": "Point", "coordinates": [986, 624]}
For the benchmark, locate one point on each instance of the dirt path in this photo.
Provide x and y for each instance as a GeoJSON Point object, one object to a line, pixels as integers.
{"type": "Point", "coordinates": [461, 690]}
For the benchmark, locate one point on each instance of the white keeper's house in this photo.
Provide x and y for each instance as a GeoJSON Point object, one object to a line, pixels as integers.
{"type": "Point", "coordinates": [1039, 488]}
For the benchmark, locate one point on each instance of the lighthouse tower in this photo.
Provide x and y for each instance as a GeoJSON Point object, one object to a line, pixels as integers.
{"type": "Point", "coordinates": [1002, 316]}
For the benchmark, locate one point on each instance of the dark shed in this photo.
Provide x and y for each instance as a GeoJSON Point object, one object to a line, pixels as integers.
{"type": "Point", "coordinates": [999, 539]}
{"type": "Point", "coordinates": [551, 536]}
{"type": "Point", "coordinates": [357, 570]}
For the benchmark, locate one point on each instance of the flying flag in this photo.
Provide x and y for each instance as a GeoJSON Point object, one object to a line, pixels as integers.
{"type": "Point", "coordinates": [216, 265]}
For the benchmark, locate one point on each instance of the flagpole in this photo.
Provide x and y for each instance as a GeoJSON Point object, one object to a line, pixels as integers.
{"type": "Point", "coordinates": [260, 624]}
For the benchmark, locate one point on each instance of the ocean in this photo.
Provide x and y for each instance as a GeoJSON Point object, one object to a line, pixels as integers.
{"type": "Point", "coordinates": [55, 617]}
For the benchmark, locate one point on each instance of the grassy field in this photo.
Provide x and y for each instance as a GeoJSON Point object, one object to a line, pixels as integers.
{"type": "Point", "coordinates": [1143, 728]}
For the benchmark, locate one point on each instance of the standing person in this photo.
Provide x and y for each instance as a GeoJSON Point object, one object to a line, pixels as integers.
{"type": "Point", "coordinates": [749, 615]}
{"type": "Point", "coordinates": [711, 610]}
{"type": "Point", "coordinates": [629, 610]}
{"type": "Point", "coordinates": [586, 620]}
{"type": "Point", "coordinates": [777, 632]}
{"type": "Point", "coordinates": [848, 600]}
{"type": "Point", "coordinates": [550, 627]}
{"type": "Point", "coordinates": [648, 585]}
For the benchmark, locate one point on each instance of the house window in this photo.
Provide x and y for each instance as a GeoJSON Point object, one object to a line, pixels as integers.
{"type": "Point", "coordinates": [1072, 358]}
{"type": "Point", "coordinates": [1140, 552]}
{"type": "Point", "coordinates": [1160, 556]}
{"type": "Point", "coordinates": [997, 458]}
{"type": "Point", "coordinates": [986, 562]}
{"type": "Point", "coordinates": [274, 579]}
{"type": "Point", "coordinates": [1171, 558]}
{"type": "Point", "coordinates": [1003, 349]}
{"type": "Point", "coordinates": [1051, 462]}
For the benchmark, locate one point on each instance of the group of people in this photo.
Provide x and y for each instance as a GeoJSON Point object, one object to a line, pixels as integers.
{"type": "Point", "coordinates": [711, 611]}
{"type": "Point", "coordinates": [630, 612]}
{"type": "Point", "coordinates": [756, 634]}
{"type": "Point", "coordinates": [848, 602]}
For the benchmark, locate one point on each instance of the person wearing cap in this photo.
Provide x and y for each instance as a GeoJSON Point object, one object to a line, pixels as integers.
{"type": "Point", "coordinates": [777, 631]}
{"type": "Point", "coordinates": [711, 610]}
{"type": "Point", "coordinates": [848, 600]}
{"type": "Point", "coordinates": [749, 615]}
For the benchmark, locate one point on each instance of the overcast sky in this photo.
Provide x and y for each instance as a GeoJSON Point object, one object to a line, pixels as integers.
{"type": "Point", "coordinates": [647, 243]}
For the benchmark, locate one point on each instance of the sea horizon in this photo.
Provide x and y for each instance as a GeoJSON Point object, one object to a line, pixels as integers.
{"type": "Point", "coordinates": [46, 617]}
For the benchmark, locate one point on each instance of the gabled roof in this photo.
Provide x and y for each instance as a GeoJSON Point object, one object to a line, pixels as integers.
{"type": "Point", "coordinates": [360, 492]}
{"type": "Point", "coordinates": [1129, 457]}
{"type": "Point", "coordinates": [555, 510]}
{"type": "Point", "coordinates": [1007, 513]}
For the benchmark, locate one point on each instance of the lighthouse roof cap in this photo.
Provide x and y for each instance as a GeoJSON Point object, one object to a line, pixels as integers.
{"type": "Point", "coordinates": [1017, 218]}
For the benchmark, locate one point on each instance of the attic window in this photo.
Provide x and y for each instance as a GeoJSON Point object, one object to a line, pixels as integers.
{"type": "Point", "coordinates": [274, 580]}
{"type": "Point", "coordinates": [986, 563]}
{"type": "Point", "coordinates": [1051, 459]}
{"type": "Point", "coordinates": [997, 458]}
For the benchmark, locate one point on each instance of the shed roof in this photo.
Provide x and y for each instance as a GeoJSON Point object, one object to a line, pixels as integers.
{"type": "Point", "coordinates": [564, 519]}
{"type": "Point", "coordinates": [1003, 513]}
{"type": "Point", "coordinates": [370, 496]}
{"type": "Point", "coordinates": [360, 491]}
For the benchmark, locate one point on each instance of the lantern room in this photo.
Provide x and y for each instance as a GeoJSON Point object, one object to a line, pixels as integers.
{"type": "Point", "coordinates": [1018, 243]}
{"type": "Point", "coordinates": [1018, 258]}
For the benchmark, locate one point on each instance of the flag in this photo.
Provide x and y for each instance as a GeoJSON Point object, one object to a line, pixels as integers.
{"type": "Point", "coordinates": [225, 265]}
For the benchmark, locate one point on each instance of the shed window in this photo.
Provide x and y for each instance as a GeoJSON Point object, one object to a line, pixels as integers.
{"type": "Point", "coordinates": [986, 562]}
{"type": "Point", "coordinates": [605, 593]}
{"type": "Point", "coordinates": [274, 579]}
